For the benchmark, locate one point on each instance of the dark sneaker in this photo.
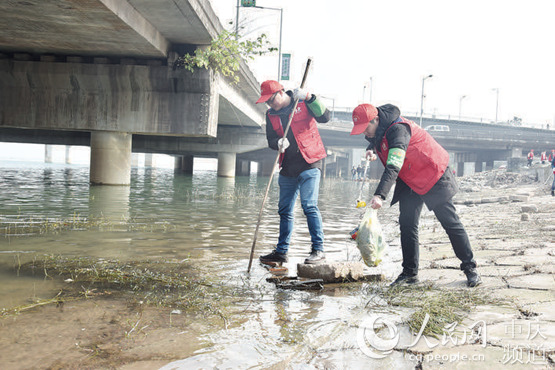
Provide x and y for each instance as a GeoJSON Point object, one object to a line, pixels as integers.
{"type": "Point", "coordinates": [315, 258]}
{"type": "Point", "coordinates": [405, 278]}
{"type": "Point", "coordinates": [472, 277]}
{"type": "Point", "coordinates": [274, 257]}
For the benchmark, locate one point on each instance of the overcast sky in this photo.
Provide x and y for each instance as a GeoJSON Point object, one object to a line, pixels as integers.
{"type": "Point", "coordinates": [470, 47]}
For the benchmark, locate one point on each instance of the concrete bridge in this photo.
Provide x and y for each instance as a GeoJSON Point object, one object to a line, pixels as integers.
{"type": "Point", "coordinates": [99, 73]}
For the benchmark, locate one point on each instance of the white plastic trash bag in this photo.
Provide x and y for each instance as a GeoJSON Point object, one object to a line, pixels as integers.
{"type": "Point", "coordinates": [370, 240]}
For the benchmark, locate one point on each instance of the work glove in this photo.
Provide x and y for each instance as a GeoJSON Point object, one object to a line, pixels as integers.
{"type": "Point", "coordinates": [301, 94]}
{"type": "Point", "coordinates": [371, 155]}
{"type": "Point", "coordinates": [283, 144]}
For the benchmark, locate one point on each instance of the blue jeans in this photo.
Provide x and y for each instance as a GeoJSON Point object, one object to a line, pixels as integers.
{"type": "Point", "coordinates": [307, 184]}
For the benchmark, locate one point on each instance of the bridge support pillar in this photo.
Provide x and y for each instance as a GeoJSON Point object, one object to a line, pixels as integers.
{"type": "Point", "coordinates": [242, 167]}
{"type": "Point", "coordinates": [48, 154]}
{"type": "Point", "coordinates": [516, 152]}
{"type": "Point", "coordinates": [110, 158]}
{"type": "Point", "coordinates": [226, 164]}
{"type": "Point", "coordinates": [149, 159]}
{"type": "Point", "coordinates": [265, 167]}
{"type": "Point", "coordinates": [68, 154]}
{"type": "Point", "coordinates": [184, 164]}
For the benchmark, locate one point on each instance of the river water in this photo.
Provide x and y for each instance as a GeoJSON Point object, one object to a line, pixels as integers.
{"type": "Point", "coordinates": [211, 221]}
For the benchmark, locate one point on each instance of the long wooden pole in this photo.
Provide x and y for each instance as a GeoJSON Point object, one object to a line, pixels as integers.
{"type": "Point", "coordinates": [309, 61]}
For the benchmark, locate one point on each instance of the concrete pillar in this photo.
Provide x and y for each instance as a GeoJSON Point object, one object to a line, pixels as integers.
{"type": "Point", "coordinates": [469, 168]}
{"type": "Point", "coordinates": [134, 159]}
{"type": "Point", "coordinates": [516, 152]}
{"type": "Point", "coordinates": [149, 160]}
{"type": "Point", "coordinates": [265, 167]}
{"type": "Point", "coordinates": [242, 167]}
{"type": "Point", "coordinates": [48, 154]}
{"type": "Point", "coordinates": [110, 158]}
{"type": "Point", "coordinates": [184, 163]}
{"type": "Point", "coordinates": [226, 164]}
{"type": "Point", "coordinates": [68, 154]}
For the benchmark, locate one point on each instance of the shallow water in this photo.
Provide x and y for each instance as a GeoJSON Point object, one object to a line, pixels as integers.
{"type": "Point", "coordinates": [210, 220]}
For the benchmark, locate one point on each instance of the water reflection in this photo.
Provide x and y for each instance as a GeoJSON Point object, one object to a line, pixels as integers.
{"type": "Point", "coordinates": [109, 202]}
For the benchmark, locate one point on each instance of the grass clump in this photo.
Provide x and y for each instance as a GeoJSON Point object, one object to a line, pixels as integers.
{"type": "Point", "coordinates": [169, 284]}
{"type": "Point", "coordinates": [443, 306]}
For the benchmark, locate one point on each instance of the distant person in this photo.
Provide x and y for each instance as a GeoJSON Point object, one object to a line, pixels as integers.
{"type": "Point", "coordinates": [301, 157]}
{"type": "Point", "coordinates": [553, 169]}
{"type": "Point", "coordinates": [530, 157]}
{"type": "Point", "coordinates": [543, 157]}
{"type": "Point", "coordinates": [359, 171]}
{"type": "Point", "coordinates": [418, 167]}
{"type": "Point", "coordinates": [353, 173]}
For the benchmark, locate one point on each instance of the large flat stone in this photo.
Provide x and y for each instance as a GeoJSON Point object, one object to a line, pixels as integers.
{"type": "Point", "coordinates": [332, 272]}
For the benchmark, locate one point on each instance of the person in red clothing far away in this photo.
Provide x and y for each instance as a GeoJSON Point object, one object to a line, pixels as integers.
{"type": "Point", "coordinates": [530, 157]}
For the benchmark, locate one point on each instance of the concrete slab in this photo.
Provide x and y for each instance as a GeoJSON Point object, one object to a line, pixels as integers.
{"type": "Point", "coordinates": [491, 314]}
{"type": "Point", "coordinates": [525, 260]}
{"type": "Point", "coordinates": [535, 281]}
{"type": "Point", "coordinates": [502, 271]}
{"type": "Point", "coordinates": [544, 310]}
{"type": "Point", "coordinates": [522, 296]}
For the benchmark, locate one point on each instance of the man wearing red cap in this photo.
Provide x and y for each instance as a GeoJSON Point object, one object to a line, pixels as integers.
{"type": "Point", "coordinates": [301, 157]}
{"type": "Point", "coordinates": [418, 166]}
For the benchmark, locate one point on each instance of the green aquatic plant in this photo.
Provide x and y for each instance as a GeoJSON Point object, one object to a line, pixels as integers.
{"type": "Point", "coordinates": [176, 285]}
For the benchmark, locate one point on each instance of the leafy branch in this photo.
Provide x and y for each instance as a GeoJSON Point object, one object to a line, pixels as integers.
{"type": "Point", "coordinates": [224, 54]}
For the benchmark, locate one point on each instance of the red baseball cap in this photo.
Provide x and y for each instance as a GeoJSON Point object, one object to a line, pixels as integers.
{"type": "Point", "coordinates": [268, 88]}
{"type": "Point", "coordinates": [363, 114]}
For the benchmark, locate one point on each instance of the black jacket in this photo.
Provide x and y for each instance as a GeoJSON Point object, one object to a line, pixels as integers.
{"type": "Point", "coordinates": [399, 137]}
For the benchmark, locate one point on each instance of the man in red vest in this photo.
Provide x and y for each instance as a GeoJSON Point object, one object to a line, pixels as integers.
{"type": "Point", "coordinates": [418, 167]}
{"type": "Point", "coordinates": [301, 157]}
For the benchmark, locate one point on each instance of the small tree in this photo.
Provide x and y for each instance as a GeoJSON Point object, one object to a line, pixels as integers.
{"type": "Point", "coordinates": [516, 121]}
{"type": "Point", "coordinates": [224, 54]}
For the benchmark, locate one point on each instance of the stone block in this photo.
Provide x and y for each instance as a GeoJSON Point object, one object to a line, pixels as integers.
{"type": "Point", "coordinates": [518, 198]}
{"type": "Point", "coordinates": [332, 272]}
{"type": "Point", "coordinates": [529, 208]}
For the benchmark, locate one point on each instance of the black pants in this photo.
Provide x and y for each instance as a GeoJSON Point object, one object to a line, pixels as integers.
{"type": "Point", "coordinates": [410, 206]}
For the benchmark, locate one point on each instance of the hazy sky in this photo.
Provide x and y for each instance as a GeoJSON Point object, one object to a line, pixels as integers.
{"type": "Point", "coordinates": [470, 47]}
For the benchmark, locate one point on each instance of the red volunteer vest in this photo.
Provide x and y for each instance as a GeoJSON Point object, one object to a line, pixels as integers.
{"type": "Point", "coordinates": [425, 160]}
{"type": "Point", "coordinates": [306, 133]}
